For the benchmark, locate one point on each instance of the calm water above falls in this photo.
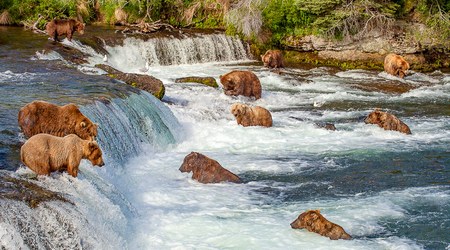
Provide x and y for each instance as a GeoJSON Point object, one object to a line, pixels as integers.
{"type": "Point", "coordinates": [386, 189]}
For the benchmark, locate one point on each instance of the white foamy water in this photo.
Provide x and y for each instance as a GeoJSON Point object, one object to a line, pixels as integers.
{"type": "Point", "coordinates": [176, 212]}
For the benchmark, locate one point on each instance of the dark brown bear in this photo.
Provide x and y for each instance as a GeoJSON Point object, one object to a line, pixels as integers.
{"type": "Point", "coordinates": [44, 153]}
{"type": "Point", "coordinates": [206, 170]}
{"type": "Point", "coordinates": [313, 221]}
{"type": "Point", "coordinates": [44, 117]}
{"type": "Point", "coordinates": [387, 121]}
{"type": "Point", "coordinates": [273, 59]}
{"type": "Point", "coordinates": [239, 82]}
{"type": "Point", "coordinates": [57, 28]}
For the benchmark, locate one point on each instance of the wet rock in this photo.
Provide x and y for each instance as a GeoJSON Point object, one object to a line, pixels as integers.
{"type": "Point", "coordinates": [68, 53]}
{"type": "Point", "coordinates": [143, 82]}
{"type": "Point", "coordinates": [208, 81]}
{"type": "Point", "coordinates": [326, 125]}
{"type": "Point", "coordinates": [207, 170]}
{"type": "Point", "coordinates": [15, 188]}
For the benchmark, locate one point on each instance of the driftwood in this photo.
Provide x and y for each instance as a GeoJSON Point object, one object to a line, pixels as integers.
{"type": "Point", "coordinates": [144, 27]}
{"type": "Point", "coordinates": [33, 26]}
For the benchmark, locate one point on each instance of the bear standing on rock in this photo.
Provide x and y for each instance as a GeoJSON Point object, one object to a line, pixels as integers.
{"type": "Point", "coordinates": [251, 116]}
{"type": "Point", "coordinates": [57, 28]}
{"type": "Point", "coordinates": [273, 59]}
{"type": "Point", "coordinates": [313, 221]}
{"type": "Point", "coordinates": [44, 153]}
{"type": "Point", "coordinates": [396, 65]}
{"type": "Point", "coordinates": [239, 82]}
{"type": "Point", "coordinates": [387, 121]}
{"type": "Point", "coordinates": [44, 117]}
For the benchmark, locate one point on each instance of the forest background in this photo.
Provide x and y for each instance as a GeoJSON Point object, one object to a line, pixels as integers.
{"type": "Point", "coordinates": [268, 23]}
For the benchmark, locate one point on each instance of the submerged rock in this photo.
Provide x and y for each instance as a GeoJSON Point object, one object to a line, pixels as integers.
{"type": "Point", "coordinates": [143, 82]}
{"type": "Point", "coordinates": [22, 190]}
{"type": "Point", "coordinates": [208, 81]}
{"type": "Point", "coordinates": [206, 170]}
{"type": "Point", "coordinates": [326, 125]}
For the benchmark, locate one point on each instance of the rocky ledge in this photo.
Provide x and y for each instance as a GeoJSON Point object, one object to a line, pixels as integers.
{"type": "Point", "coordinates": [144, 82]}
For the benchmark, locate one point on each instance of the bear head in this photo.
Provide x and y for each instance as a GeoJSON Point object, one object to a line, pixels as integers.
{"type": "Point", "coordinates": [86, 129]}
{"type": "Point", "coordinates": [190, 162]}
{"type": "Point", "coordinates": [79, 27]}
{"type": "Point", "coordinates": [374, 118]}
{"type": "Point", "coordinates": [93, 153]}
{"type": "Point", "coordinates": [227, 82]}
{"type": "Point", "coordinates": [267, 59]}
{"type": "Point", "coordinates": [403, 68]}
{"type": "Point", "coordinates": [238, 109]}
{"type": "Point", "coordinates": [306, 219]}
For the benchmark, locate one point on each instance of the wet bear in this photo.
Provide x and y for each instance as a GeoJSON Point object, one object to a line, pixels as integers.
{"type": "Point", "coordinates": [58, 27]}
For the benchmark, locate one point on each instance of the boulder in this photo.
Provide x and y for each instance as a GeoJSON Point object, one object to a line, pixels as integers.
{"type": "Point", "coordinates": [206, 170]}
{"type": "Point", "coordinates": [143, 82]}
{"type": "Point", "coordinates": [15, 188]}
{"type": "Point", "coordinates": [208, 81]}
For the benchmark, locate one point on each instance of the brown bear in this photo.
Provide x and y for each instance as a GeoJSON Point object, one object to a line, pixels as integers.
{"type": "Point", "coordinates": [396, 65]}
{"type": "Point", "coordinates": [44, 117]}
{"type": "Point", "coordinates": [206, 170]}
{"type": "Point", "coordinates": [387, 121]}
{"type": "Point", "coordinates": [58, 27]}
{"type": "Point", "coordinates": [251, 116]}
{"type": "Point", "coordinates": [313, 221]}
{"type": "Point", "coordinates": [273, 59]}
{"type": "Point", "coordinates": [44, 153]}
{"type": "Point", "coordinates": [239, 82]}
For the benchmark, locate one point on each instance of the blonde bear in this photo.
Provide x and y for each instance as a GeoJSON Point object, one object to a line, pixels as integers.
{"type": "Point", "coordinates": [251, 116]}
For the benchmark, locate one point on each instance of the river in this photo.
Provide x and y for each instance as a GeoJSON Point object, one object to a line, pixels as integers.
{"type": "Point", "coordinates": [386, 189]}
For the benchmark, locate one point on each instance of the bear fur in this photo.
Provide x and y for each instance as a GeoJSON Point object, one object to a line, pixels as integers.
{"type": "Point", "coordinates": [387, 121]}
{"type": "Point", "coordinates": [44, 153]}
{"type": "Point", "coordinates": [44, 117]}
{"type": "Point", "coordinates": [251, 116]}
{"type": "Point", "coordinates": [58, 27]}
{"type": "Point", "coordinates": [396, 65]}
{"type": "Point", "coordinates": [273, 59]}
{"type": "Point", "coordinates": [239, 82]}
{"type": "Point", "coordinates": [206, 170]}
{"type": "Point", "coordinates": [313, 221]}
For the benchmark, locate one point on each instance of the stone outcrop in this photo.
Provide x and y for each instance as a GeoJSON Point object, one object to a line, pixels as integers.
{"type": "Point", "coordinates": [206, 170]}
{"type": "Point", "coordinates": [15, 188]}
{"type": "Point", "coordinates": [208, 81]}
{"type": "Point", "coordinates": [144, 82]}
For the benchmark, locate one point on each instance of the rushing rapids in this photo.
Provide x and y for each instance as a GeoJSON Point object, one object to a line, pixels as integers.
{"type": "Point", "coordinates": [386, 189]}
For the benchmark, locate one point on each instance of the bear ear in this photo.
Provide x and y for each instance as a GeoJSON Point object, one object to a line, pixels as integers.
{"type": "Point", "coordinates": [83, 124]}
{"type": "Point", "coordinates": [92, 145]}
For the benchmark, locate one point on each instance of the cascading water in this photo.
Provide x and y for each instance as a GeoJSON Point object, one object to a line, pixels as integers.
{"type": "Point", "coordinates": [135, 53]}
{"type": "Point", "coordinates": [128, 123]}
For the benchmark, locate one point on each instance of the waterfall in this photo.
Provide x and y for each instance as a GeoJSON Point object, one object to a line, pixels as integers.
{"type": "Point", "coordinates": [125, 124]}
{"type": "Point", "coordinates": [175, 51]}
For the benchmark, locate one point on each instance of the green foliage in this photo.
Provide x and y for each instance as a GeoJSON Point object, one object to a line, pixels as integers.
{"type": "Point", "coordinates": [24, 10]}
